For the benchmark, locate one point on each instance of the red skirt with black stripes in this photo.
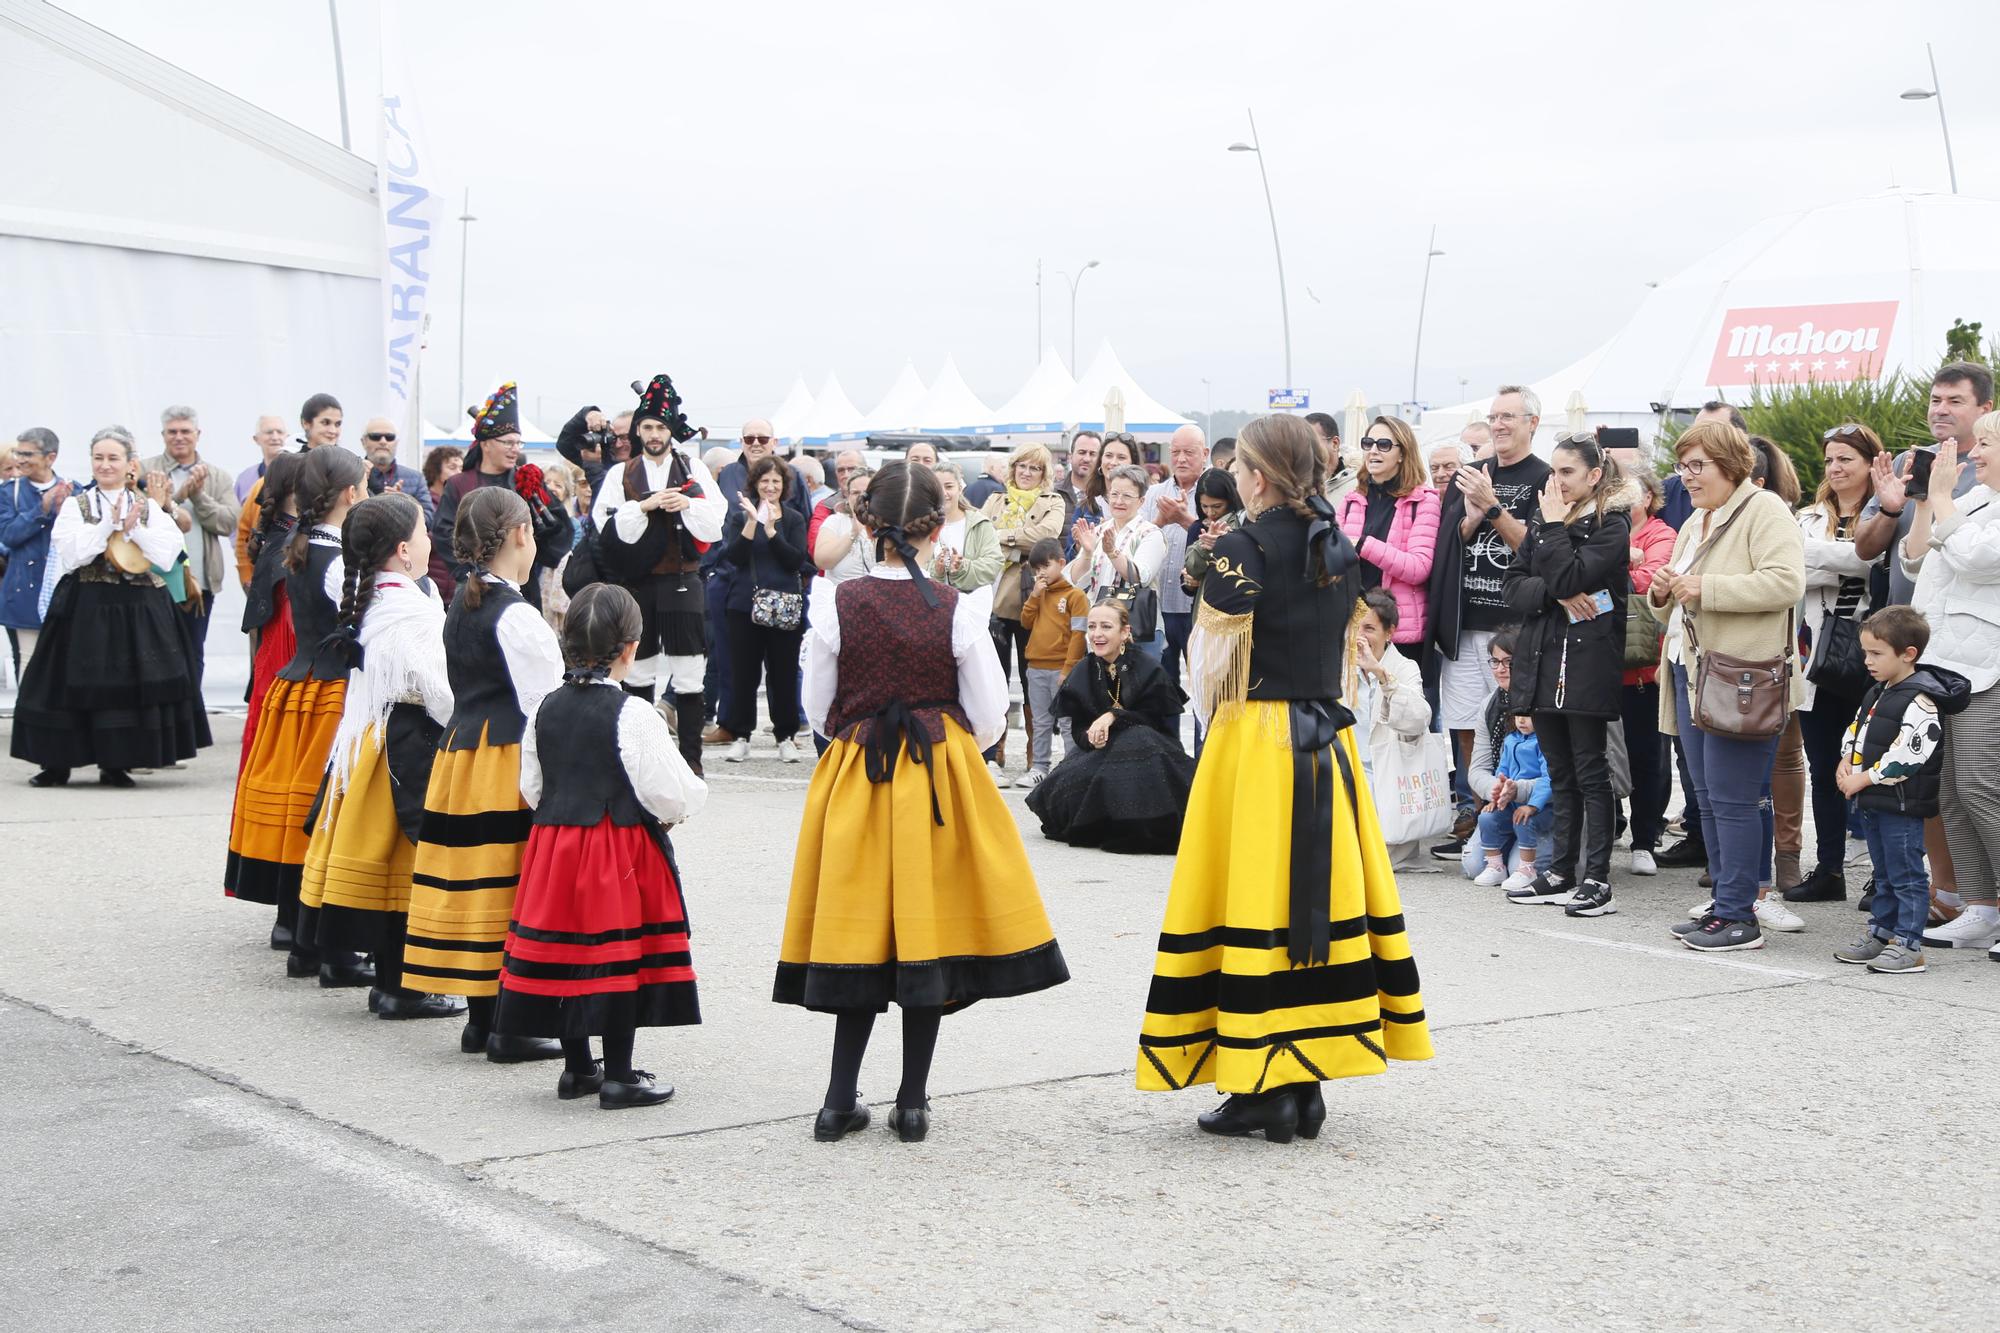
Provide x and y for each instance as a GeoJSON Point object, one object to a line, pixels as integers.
{"type": "Point", "coordinates": [599, 936]}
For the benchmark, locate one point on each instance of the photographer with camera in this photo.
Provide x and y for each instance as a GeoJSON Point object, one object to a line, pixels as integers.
{"type": "Point", "coordinates": [587, 440]}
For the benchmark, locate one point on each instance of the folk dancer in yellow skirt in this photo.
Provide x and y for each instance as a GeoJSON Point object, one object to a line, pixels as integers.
{"type": "Point", "coordinates": [910, 882]}
{"type": "Point", "coordinates": [355, 894]}
{"type": "Point", "coordinates": [502, 658]}
{"type": "Point", "coordinates": [281, 776]}
{"type": "Point", "coordinates": [1282, 961]}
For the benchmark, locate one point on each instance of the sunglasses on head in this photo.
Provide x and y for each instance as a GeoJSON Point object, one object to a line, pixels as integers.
{"type": "Point", "coordinates": [1121, 437]}
{"type": "Point", "coordinates": [1840, 433]}
{"type": "Point", "coordinates": [756, 439]}
{"type": "Point", "coordinates": [380, 437]}
{"type": "Point", "coordinates": [1371, 445]}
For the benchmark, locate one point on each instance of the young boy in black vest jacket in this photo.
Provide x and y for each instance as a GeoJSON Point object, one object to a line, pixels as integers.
{"type": "Point", "coordinates": [1890, 766]}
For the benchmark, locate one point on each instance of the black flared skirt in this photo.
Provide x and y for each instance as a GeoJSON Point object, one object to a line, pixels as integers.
{"type": "Point", "coordinates": [1128, 797]}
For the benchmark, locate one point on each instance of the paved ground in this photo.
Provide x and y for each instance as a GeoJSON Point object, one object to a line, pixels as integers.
{"type": "Point", "coordinates": [1617, 1133]}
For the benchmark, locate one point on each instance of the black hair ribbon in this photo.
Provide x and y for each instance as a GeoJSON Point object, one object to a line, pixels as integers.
{"type": "Point", "coordinates": [892, 538]}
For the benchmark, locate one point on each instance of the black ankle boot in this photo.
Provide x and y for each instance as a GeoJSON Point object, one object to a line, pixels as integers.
{"type": "Point", "coordinates": [1275, 1113]}
{"type": "Point", "coordinates": [687, 728]}
{"type": "Point", "coordinates": [1312, 1109]}
{"type": "Point", "coordinates": [1824, 885]}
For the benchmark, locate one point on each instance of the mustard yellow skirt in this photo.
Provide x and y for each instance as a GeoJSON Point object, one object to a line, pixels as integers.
{"type": "Point", "coordinates": [889, 904]}
{"type": "Point", "coordinates": [466, 868]}
{"type": "Point", "coordinates": [358, 859]}
{"type": "Point", "coordinates": [1227, 1005]}
{"type": "Point", "coordinates": [276, 786]}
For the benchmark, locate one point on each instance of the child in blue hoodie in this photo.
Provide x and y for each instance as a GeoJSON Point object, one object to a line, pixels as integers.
{"type": "Point", "coordinates": [1517, 809]}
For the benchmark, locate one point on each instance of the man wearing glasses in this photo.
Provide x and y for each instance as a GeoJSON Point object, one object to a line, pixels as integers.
{"type": "Point", "coordinates": [759, 442]}
{"type": "Point", "coordinates": [205, 505]}
{"type": "Point", "coordinates": [378, 441]}
{"type": "Point", "coordinates": [29, 503]}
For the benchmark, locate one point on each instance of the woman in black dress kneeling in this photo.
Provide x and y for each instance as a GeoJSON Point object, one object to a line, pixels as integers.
{"type": "Point", "coordinates": [1124, 783]}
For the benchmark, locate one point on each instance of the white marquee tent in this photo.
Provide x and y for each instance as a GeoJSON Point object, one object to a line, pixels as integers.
{"type": "Point", "coordinates": [948, 405]}
{"type": "Point", "coordinates": [210, 254]}
{"type": "Point", "coordinates": [901, 407]}
{"type": "Point", "coordinates": [1143, 413]}
{"type": "Point", "coordinates": [831, 415]}
{"type": "Point", "coordinates": [1037, 407]}
{"type": "Point", "coordinates": [793, 411]}
{"type": "Point", "coordinates": [1836, 292]}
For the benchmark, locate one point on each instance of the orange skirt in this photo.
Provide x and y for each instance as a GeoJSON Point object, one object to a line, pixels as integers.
{"type": "Point", "coordinates": [275, 789]}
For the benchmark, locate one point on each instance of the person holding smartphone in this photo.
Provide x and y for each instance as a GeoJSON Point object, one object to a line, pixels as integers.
{"type": "Point", "coordinates": [1569, 585]}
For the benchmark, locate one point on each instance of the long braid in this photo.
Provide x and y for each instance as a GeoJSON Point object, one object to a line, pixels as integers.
{"type": "Point", "coordinates": [281, 478]}
{"type": "Point", "coordinates": [371, 534]}
{"type": "Point", "coordinates": [481, 529]}
{"type": "Point", "coordinates": [300, 542]}
{"type": "Point", "coordinates": [326, 476]}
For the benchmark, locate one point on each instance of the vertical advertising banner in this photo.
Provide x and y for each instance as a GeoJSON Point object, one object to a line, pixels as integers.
{"type": "Point", "coordinates": [406, 183]}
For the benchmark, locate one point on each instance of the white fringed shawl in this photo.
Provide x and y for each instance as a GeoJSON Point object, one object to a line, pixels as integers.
{"type": "Point", "coordinates": [402, 661]}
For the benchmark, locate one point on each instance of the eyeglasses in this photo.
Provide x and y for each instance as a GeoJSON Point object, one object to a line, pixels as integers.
{"type": "Point", "coordinates": [379, 437]}
{"type": "Point", "coordinates": [1369, 445]}
{"type": "Point", "coordinates": [1495, 418]}
{"type": "Point", "coordinates": [1499, 661]}
{"type": "Point", "coordinates": [756, 439]}
{"type": "Point", "coordinates": [1691, 467]}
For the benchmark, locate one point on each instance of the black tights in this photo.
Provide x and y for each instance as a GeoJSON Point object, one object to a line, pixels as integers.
{"type": "Point", "coordinates": [851, 1030]}
{"type": "Point", "coordinates": [617, 1055]}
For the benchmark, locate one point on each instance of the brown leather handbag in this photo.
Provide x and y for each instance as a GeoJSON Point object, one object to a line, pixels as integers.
{"type": "Point", "coordinates": [1742, 698]}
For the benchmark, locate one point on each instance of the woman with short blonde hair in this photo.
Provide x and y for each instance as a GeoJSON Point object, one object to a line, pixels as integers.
{"type": "Point", "coordinates": [1027, 511]}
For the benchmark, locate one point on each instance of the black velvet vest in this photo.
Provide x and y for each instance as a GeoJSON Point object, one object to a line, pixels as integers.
{"type": "Point", "coordinates": [266, 573]}
{"type": "Point", "coordinates": [483, 700]}
{"type": "Point", "coordinates": [313, 615]}
{"type": "Point", "coordinates": [576, 740]}
{"type": "Point", "coordinates": [1300, 630]}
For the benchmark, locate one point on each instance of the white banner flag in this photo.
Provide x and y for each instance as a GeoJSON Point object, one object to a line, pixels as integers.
{"type": "Point", "coordinates": [405, 182]}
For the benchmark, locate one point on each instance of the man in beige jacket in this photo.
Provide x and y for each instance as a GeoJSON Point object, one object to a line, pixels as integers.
{"type": "Point", "coordinates": [205, 507]}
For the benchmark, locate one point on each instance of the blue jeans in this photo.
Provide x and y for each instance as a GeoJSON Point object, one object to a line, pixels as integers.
{"type": "Point", "coordinates": [1902, 888]}
{"type": "Point", "coordinates": [720, 691]}
{"type": "Point", "coordinates": [1154, 648]}
{"type": "Point", "coordinates": [1498, 832]}
{"type": "Point", "coordinates": [1732, 784]}
{"type": "Point", "coordinates": [1175, 627]}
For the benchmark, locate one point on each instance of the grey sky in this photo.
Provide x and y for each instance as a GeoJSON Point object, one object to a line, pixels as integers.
{"type": "Point", "coordinates": [740, 193]}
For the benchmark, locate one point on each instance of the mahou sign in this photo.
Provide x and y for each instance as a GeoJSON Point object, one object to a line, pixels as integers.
{"type": "Point", "coordinates": [1765, 344]}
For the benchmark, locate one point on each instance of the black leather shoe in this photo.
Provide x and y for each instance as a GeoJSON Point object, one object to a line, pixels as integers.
{"type": "Point", "coordinates": [1277, 1114]}
{"type": "Point", "coordinates": [281, 938]}
{"type": "Point", "coordinates": [301, 965]}
{"type": "Point", "coordinates": [641, 1090]}
{"type": "Point", "coordinates": [472, 1041]}
{"type": "Point", "coordinates": [911, 1123]}
{"type": "Point", "coordinates": [1822, 886]}
{"type": "Point", "coordinates": [1312, 1109]}
{"type": "Point", "coordinates": [505, 1050]}
{"type": "Point", "coordinates": [50, 777]}
{"type": "Point", "coordinates": [417, 1005]}
{"type": "Point", "coordinates": [573, 1085]}
{"type": "Point", "coordinates": [114, 777]}
{"type": "Point", "coordinates": [341, 976]}
{"type": "Point", "coordinates": [1683, 855]}
{"type": "Point", "coordinates": [374, 999]}
{"type": "Point", "coordinates": [830, 1126]}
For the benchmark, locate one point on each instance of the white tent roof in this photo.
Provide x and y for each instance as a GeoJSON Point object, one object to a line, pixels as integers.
{"type": "Point", "coordinates": [949, 405]}
{"type": "Point", "coordinates": [1142, 411]}
{"type": "Point", "coordinates": [1040, 403]}
{"type": "Point", "coordinates": [832, 414]}
{"type": "Point", "coordinates": [1834, 293]}
{"type": "Point", "coordinates": [533, 434]}
{"type": "Point", "coordinates": [900, 407]}
{"type": "Point", "coordinates": [791, 413]}
{"type": "Point", "coordinates": [436, 434]}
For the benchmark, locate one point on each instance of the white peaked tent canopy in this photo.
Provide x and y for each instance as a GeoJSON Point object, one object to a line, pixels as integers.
{"type": "Point", "coordinates": [1143, 412]}
{"type": "Point", "coordinates": [1836, 292]}
{"type": "Point", "coordinates": [1037, 407]}
{"type": "Point", "coordinates": [832, 414]}
{"type": "Point", "coordinates": [948, 405]}
{"type": "Point", "coordinates": [900, 408]}
{"type": "Point", "coordinates": [436, 434]}
{"type": "Point", "coordinates": [792, 412]}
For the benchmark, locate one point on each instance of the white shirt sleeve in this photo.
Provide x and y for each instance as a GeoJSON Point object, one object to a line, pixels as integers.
{"type": "Point", "coordinates": [430, 675]}
{"type": "Point", "coordinates": [534, 659]}
{"type": "Point", "coordinates": [159, 536]}
{"type": "Point", "coordinates": [531, 764]}
{"type": "Point", "coordinates": [661, 779]}
{"type": "Point", "coordinates": [336, 579]}
{"type": "Point", "coordinates": [704, 516]}
{"type": "Point", "coordinates": [822, 655]}
{"type": "Point", "coordinates": [77, 541]}
{"type": "Point", "coordinates": [982, 685]}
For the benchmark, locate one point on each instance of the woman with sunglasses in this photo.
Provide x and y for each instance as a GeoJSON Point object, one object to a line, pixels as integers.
{"type": "Point", "coordinates": [1391, 517]}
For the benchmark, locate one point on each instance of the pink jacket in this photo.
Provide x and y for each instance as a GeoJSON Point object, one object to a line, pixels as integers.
{"type": "Point", "coordinates": [1405, 559]}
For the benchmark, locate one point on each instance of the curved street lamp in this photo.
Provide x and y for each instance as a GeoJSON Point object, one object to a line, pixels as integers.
{"type": "Point", "coordinates": [1925, 95]}
{"type": "Point", "coordinates": [1074, 283]}
{"type": "Point", "coordinates": [1284, 308]}
{"type": "Point", "coordinates": [1416, 357]}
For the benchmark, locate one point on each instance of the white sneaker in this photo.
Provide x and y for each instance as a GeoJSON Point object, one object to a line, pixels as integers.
{"type": "Point", "coordinates": [1857, 850]}
{"type": "Point", "coordinates": [1492, 877]}
{"type": "Point", "coordinates": [1773, 914]}
{"type": "Point", "coordinates": [1643, 863]}
{"type": "Point", "coordinates": [788, 751]}
{"type": "Point", "coordinates": [1030, 780]}
{"type": "Point", "coordinates": [1706, 906]}
{"type": "Point", "coordinates": [999, 773]}
{"type": "Point", "coordinates": [1973, 930]}
{"type": "Point", "coordinates": [1517, 880]}
{"type": "Point", "coordinates": [739, 750]}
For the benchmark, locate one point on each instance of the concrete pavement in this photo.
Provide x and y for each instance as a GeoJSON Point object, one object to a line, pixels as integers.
{"type": "Point", "coordinates": [1617, 1133]}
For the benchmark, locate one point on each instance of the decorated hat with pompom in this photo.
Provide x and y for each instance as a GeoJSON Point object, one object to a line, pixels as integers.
{"type": "Point", "coordinates": [499, 415]}
{"type": "Point", "coordinates": [660, 401]}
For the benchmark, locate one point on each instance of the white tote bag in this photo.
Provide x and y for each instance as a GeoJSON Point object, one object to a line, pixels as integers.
{"type": "Point", "coordinates": [1411, 783]}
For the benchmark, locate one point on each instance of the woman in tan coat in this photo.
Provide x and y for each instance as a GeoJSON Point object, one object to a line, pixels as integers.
{"type": "Point", "coordinates": [1733, 584]}
{"type": "Point", "coordinates": [1028, 511]}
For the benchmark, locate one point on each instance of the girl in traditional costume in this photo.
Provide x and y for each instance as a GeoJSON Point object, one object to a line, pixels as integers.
{"type": "Point", "coordinates": [599, 944]}
{"type": "Point", "coordinates": [910, 882]}
{"type": "Point", "coordinates": [1282, 961]}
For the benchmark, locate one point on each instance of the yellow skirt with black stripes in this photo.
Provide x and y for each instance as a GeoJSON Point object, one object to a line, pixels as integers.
{"type": "Point", "coordinates": [1227, 1006]}
{"type": "Point", "coordinates": [467, 866]}
{"type": "Point", "coordinates": [358, 864]}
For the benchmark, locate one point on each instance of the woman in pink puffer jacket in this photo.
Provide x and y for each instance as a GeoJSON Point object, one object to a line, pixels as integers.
{"type": "Point", "coordinates": [1392, 519]}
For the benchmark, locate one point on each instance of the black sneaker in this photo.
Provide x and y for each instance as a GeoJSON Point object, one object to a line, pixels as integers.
{"type": "Point", "coordinates": [1451, 850]}
{"type": "Point", "coordinates": [1543, 888]}
{"type": "Point", "coordinates": [1683, 929]}
{"type": "Point", "coordinates": [1714, 935]}
{"type": "Point", "coordinates": [1593, 898]}
{"type": "Point", "coordinates": [1866, 902]}
{"type": "Point", "coordinates": [1686, 854]}
{"type": "Point", "coordinates": [1824, 885]}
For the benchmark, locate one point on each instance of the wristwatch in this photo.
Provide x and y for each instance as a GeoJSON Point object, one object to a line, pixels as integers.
{"type": "Point", "coordinates": [1493, 511]}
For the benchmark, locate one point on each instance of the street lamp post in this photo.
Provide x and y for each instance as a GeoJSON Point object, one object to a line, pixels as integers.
{"type": "Point", "coordinates": [1074, 283]}
{"type": "Point", "coordinates": [1936, 90]}
{"type": "Point", "coordinates": [1284, 306]}
{"type": "Point", "coordinates": [1208, 409]}
{"type": "Point", "coordinates": [465, 221]}
{"type": "Point", "coordinates": [1038, 311]}
{"type": "Point", "coordinates": [1417, 357]}
{"type": "Point", "coordinates": [339, 72]}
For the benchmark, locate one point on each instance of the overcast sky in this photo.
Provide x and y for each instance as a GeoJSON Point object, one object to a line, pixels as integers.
{"type": "Point", "coordinates": [741, 193]}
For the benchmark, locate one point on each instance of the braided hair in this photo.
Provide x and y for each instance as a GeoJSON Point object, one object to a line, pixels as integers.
{"type": "Point", "coordinates": [484, 520]}
{"type": "Point", "coordinates": [371, 534]}
{"type": "Point", "coordinates": [909, 499]}
{"type": "Point", "coordinates": [325, 476]}
{"type": "Point", "coordinates": [281, 478]}
{"type": "Point", "coordinates": [601, 620]}
{"type": "Point", "coordinates": [1286, 451]}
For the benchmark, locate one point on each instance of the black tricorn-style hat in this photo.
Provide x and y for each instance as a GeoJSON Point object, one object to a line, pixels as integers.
{"type": "Point", "coordinates": [660, 401]}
